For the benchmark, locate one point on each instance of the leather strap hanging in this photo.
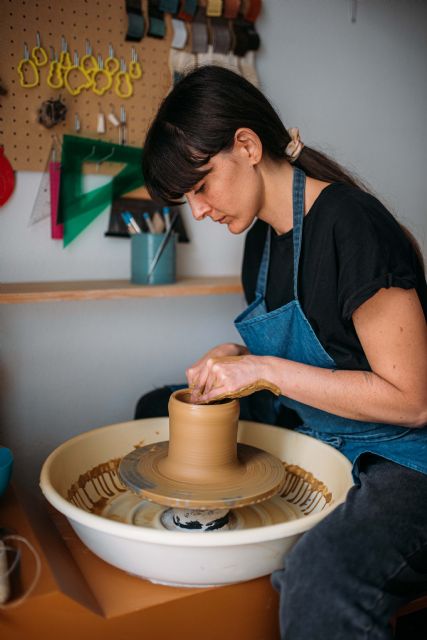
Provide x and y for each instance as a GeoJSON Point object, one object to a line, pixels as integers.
{"type": "Point", "coordinates": [231, 9]}
{"type": "Point", "coordinates": [246, 37]}
{"type": "Point", "coordinates": [180, 35]}
{"type": "Point", "coordinates": [187, 10]}
{"type": "Point", "coordinates": [156, 24]}
{"type": "Point", "coordinates": [135, 31]}
{"type": "Point", "coordinates": [199, 32]}
{"type": "Point", "coordinates": [169, 6]}
{"type": "Point", "coordinates": [241, 39]}
{"type": "Point", "coordinates": [221, 35]}
{"type": "Point", "coordinates": [214, 8]}
{"type": "Point", "coordinates": [253, 10]}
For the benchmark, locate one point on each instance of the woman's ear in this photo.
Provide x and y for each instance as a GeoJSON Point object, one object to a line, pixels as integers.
{"type": "Point", "coordinates": [248, 144]}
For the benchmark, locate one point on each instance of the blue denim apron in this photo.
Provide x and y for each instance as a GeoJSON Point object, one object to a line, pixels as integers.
{"type": "Point", "coordinates": [286, 333]}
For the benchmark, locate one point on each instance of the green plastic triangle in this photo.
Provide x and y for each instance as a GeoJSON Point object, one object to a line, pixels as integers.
{"type": "Point", "coordinates": [77, 209]}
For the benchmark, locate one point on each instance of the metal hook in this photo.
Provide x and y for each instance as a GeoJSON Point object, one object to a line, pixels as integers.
{"type": "Point", "coordinates": [122, 129]}
{"type": "Point", "coordinates": [56, 147]}
{"type": "Point", "coordinates": [92, 153]}
{"type": "Point", "coordinates": [56, 140]}
{"type": "Point", "coordinates": [102, 160]}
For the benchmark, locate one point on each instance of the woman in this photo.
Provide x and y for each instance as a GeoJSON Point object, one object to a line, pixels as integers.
{"type": "Point", "coordinates": [336, 320]}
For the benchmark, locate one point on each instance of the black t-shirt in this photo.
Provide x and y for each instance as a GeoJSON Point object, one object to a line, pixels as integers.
{"type": "Point", "coordinates": [351, 247]}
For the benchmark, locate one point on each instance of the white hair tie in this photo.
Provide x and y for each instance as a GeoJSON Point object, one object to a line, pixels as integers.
{"type": "Point", "coordinates": [295, 146]}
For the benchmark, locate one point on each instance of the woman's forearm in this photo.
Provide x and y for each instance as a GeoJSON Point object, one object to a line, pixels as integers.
{"type": "Point", "coordinates": [359, 395]}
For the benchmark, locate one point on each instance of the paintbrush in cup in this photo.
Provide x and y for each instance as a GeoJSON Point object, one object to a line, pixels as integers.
{"type": "Point", "coordinates": [162, 247]}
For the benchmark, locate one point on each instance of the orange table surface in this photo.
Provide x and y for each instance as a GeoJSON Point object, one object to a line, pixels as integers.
{"type": "Point", "coordinates": [81, 597]}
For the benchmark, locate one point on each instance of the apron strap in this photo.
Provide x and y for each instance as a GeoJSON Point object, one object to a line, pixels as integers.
{"type": "Point", "coordinates": [298, 191]}
{"type": "Point", "coordinates": [261, 285]}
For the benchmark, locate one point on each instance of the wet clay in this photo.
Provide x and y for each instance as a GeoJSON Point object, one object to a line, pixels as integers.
{"type": "Point", "coordinates": [247, 390]}
{"type": "Point", "coordinates": [202, 466]}
{"type": "Point", "coordinates": [202, 441]}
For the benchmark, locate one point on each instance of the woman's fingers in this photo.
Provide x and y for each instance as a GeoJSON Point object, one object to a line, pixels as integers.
{"type": "Point", "coordinates": [211, 377]}
{"type": "Point", "coordinates": [232, 375]}
{"type": "Point", "coordinates": [196, 374]}
{"type": "Point", "coordinates": [197, 377]}
{"type": "Point", "coordinates": [206, 380]}
{"type": "Point", "coordinates": [221, 376]}
{"type": "Point", "coordinates": [192, 376]}
{"type": "Point", "coordinates": [219, 380]}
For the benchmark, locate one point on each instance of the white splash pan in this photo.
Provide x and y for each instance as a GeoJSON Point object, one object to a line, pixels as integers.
{"type": "Point", "coordinates": [189, 558]}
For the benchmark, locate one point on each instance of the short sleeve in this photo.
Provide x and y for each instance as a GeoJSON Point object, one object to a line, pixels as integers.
{"type": "Point", "coordinates": [372, 252]}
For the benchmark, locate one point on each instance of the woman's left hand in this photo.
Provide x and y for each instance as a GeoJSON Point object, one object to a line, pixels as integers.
{"type": "Point", "coordinates": [234, 376]}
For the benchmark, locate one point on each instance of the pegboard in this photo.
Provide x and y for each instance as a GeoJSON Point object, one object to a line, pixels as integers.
{"type": "Point", "coordinates": [27, 143]}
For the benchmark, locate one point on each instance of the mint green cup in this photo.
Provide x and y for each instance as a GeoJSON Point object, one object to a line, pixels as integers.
{"type": "Point", "coordinates": [144, 248]}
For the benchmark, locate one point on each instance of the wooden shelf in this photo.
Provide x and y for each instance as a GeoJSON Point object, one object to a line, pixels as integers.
{"type": "Point", "coordinates": [25, 292]}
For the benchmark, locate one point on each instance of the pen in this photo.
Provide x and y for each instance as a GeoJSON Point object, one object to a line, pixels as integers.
{"type": "Point", "coordinates": [130, 222]}
{"type": "Point", "coordinates": [162, 247]}
{"type": "Point", "coordinates": [149, 223]}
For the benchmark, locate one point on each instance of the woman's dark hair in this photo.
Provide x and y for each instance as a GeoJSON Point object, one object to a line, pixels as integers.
{"type": "Point", "coordinates": [199, 118]}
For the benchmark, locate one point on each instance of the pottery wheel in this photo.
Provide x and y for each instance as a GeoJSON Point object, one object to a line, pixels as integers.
{"type": "Point", "coordinates": [257, 476]}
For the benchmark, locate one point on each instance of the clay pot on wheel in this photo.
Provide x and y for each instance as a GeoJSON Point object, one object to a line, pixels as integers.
{"type": "Point", "coordinates": [202, 466]}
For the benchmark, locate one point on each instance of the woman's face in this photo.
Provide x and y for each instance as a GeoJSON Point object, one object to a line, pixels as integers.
{"type": "Point", "coordinates": [231, 193]}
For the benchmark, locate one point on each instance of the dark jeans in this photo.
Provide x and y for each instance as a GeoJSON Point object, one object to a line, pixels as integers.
{"type": "Point", "coordinates": [345, 578]}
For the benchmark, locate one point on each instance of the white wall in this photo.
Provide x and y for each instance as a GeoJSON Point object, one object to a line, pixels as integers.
{"type": "Point", "coordinates": [357, 91]}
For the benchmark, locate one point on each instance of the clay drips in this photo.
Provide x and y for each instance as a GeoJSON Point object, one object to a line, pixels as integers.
{"type": "Point", "coordinates": [302, 495]}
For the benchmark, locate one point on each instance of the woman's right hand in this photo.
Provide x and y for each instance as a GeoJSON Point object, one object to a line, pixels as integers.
{"type": "Point", "coordinates": [198, 372]}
